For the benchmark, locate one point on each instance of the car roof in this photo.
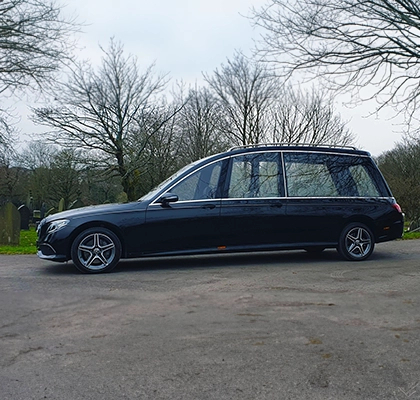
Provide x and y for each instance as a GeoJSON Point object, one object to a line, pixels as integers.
{"type": "Point", "coordinates": [298, 147]}
{"type": "Point", "coordinates": [324, 148]}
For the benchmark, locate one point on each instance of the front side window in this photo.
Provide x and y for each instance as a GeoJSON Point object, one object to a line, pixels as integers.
{"type": "Point", "coordinates": [200, 185]}
{"type": "Point", "coordinates": [255, 175]}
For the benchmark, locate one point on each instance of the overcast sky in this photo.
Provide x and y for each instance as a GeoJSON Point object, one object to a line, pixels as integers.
{"type": "Point", "coordinates": [183, 37]}
{"type": "Point", "coordinates": [188, 37]}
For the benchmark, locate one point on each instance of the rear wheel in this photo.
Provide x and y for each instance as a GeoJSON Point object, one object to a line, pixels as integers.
{"type": "Point", "coordinates": [356, 242]}
{"type": "Point", "coordinates": [96, 250]}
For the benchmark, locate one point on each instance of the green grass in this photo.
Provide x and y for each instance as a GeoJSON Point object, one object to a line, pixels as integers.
{"type": "Point", "coordinates": [411, 235]}
{"type": "Point", "coordinates": [27, 244]}
{"type": "Point", "coordinates": [28, 240]}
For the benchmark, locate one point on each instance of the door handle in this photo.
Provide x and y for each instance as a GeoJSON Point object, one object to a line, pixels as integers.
{"type": "Point", "coordinates": [208, 206]}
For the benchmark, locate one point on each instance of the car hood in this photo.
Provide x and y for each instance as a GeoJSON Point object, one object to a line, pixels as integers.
{"type": "Point", "coordinates": [98, 210]}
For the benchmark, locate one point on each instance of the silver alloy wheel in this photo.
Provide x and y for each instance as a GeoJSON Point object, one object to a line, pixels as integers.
{"type": "Point", "coordinates": [358, 242]}
{"type": "Point", "coordinates": [96, 251]}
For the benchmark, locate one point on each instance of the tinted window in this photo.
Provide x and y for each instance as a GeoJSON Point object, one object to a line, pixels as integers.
{"type": "Point", "coordinates": [309, 179]}
{"type": "Point", "coordinates": [326, 175]}
{"type": "Point", "coordinates": [364, 184]}
{"type": "Point", "coordinates": [200, 185]}
{"type": "Point", "coordinates": [255, 175]}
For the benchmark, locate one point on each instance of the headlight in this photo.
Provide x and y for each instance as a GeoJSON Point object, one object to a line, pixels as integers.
{"type": "Point", "coordinates": [57, 225]}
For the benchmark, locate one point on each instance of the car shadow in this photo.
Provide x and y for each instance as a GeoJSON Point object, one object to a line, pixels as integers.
{"type": "Point", "coordinates": [224, 260]}
{"type": "Point", "coordinates": [227, 260]}
{"type": "Point", "coordinates": [202, 261]}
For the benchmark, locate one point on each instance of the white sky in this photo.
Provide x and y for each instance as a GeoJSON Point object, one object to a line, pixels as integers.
{"type": "Point", "coordinates": [183, 37]}
{"type": "Point", "coordinates": [188, 37]}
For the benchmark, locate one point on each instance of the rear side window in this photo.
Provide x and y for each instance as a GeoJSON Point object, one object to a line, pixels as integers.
{"type": "Point", "coordinates": [364, 183]}
{"type": "Point", "coordinates": [309, 179]}
{"type": "Point", "coordinates": [255, 175]}
{"type": "Point", "coordinates": [329, 175]}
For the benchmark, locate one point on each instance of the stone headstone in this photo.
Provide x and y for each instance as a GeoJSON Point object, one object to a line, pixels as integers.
{"type": "Point", "coordinates": [61, 205]}
{"type": "Point", "coordinates": [9, 225]}
{"type": "Point", "coordinates": [25, 214]}
{"type": "Point", "coordinates": [43, 210]}
{"type": "Point", "coordinates": [36, 216]}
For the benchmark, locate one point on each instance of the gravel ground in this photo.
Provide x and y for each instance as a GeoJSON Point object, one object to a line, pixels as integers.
{"type": "Point", "coordinates": [284, 325]}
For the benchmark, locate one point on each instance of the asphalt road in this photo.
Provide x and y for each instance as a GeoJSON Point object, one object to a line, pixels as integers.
{"type": "Point", "coordinates": [270, 326]}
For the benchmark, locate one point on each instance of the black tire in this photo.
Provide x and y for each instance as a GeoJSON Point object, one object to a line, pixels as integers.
{"type": "Point", "coordinates": [356, 242]}
{"type": "Point", "coordinates": [96, 250]}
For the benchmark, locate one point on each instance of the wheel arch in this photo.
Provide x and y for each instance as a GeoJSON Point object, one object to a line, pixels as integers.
{"type": "Point", "coordinates": [369, 222]}
{"type": "Point", "coordinates": [97, 224]}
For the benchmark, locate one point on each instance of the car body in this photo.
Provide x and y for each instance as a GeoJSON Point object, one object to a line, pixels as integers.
{"type": "Point", "coordinates": [250, 198]}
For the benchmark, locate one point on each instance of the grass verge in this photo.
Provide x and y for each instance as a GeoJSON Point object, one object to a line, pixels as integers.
{"type": "Point", "coordinates": [411, 235]}
{"type": "Point", "coordinates": [27, 244]}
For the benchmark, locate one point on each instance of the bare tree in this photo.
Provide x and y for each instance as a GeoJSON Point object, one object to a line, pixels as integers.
{"type": "Point", "coordinates": [65, 172]}
{"type": "Point", "coordinates": [12, 177]}
{"type": "Point", "coordinates": [245, 90]}
{"type": "Point", "coordinates": [55, 173]}
{"type": "Point", "coordinates": [350, 43]}
{"type": "Point", "coordinates": [159, 157]}
{"type": "Point", "coordinates": [36, 158]}
{"type": "Point", "coordinates": [401, 168]}
{"type": "Point", "coordinates": [200, 125]}
{"type": "Point", "coordinates": [37, 154]}
{"type": "Point", "coordinates": [161, 154]}
{"type": "Point", "coordinates": [34, 41]}
{"type": "Point", "coordinates": [109, 113]}
{"type": "Point", "coordinates": [7, 133]}
{"type": "Point", "coordinates": [308, 117]}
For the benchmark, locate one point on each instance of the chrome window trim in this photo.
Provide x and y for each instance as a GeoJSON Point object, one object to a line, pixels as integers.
{"type": "Point", "coordinates": [252, 198]}
{"type": "Point", "coordinates": [218, 200]}
{"type": "Point", "coordinates": [308, 197]}
{"type": "Point", "coordinates": [341, 197]}
{"type": "Point", "coordinates": [225, 199]}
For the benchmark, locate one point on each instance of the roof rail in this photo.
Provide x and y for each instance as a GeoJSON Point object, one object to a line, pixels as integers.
{"type": "Point", "coordinates": [255, 145]}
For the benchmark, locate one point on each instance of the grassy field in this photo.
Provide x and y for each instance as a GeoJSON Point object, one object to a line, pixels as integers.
{"type": "Point", "coordinates": [28, 240]}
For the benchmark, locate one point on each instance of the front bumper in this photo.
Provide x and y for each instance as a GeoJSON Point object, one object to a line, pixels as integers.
{"type": "Point", "coordinates": [47, 252]}
{"type": "Point", "coordinates": [51, 246]}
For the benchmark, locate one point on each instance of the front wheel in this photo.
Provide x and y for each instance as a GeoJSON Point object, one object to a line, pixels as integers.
{"type": "Point", "coordinates": [356, 242]}
{"type": "Point", "coordinates": [96, 250]}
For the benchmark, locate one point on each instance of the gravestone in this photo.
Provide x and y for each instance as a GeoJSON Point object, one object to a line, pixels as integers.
{"type": "Point", "coordinates": [43, 210]}
{"type": "Point", "coordinates": [25, 214]}
{"type": "Point", "coordinates": [61, 205]}
{"type": "Point", "coordinates": [36, 216]}
{"type": "Point", "coordinates": [9, 225]}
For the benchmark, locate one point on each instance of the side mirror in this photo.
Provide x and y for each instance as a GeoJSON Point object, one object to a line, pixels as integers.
{"type": "Point", "coordinates": [168, 198]}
